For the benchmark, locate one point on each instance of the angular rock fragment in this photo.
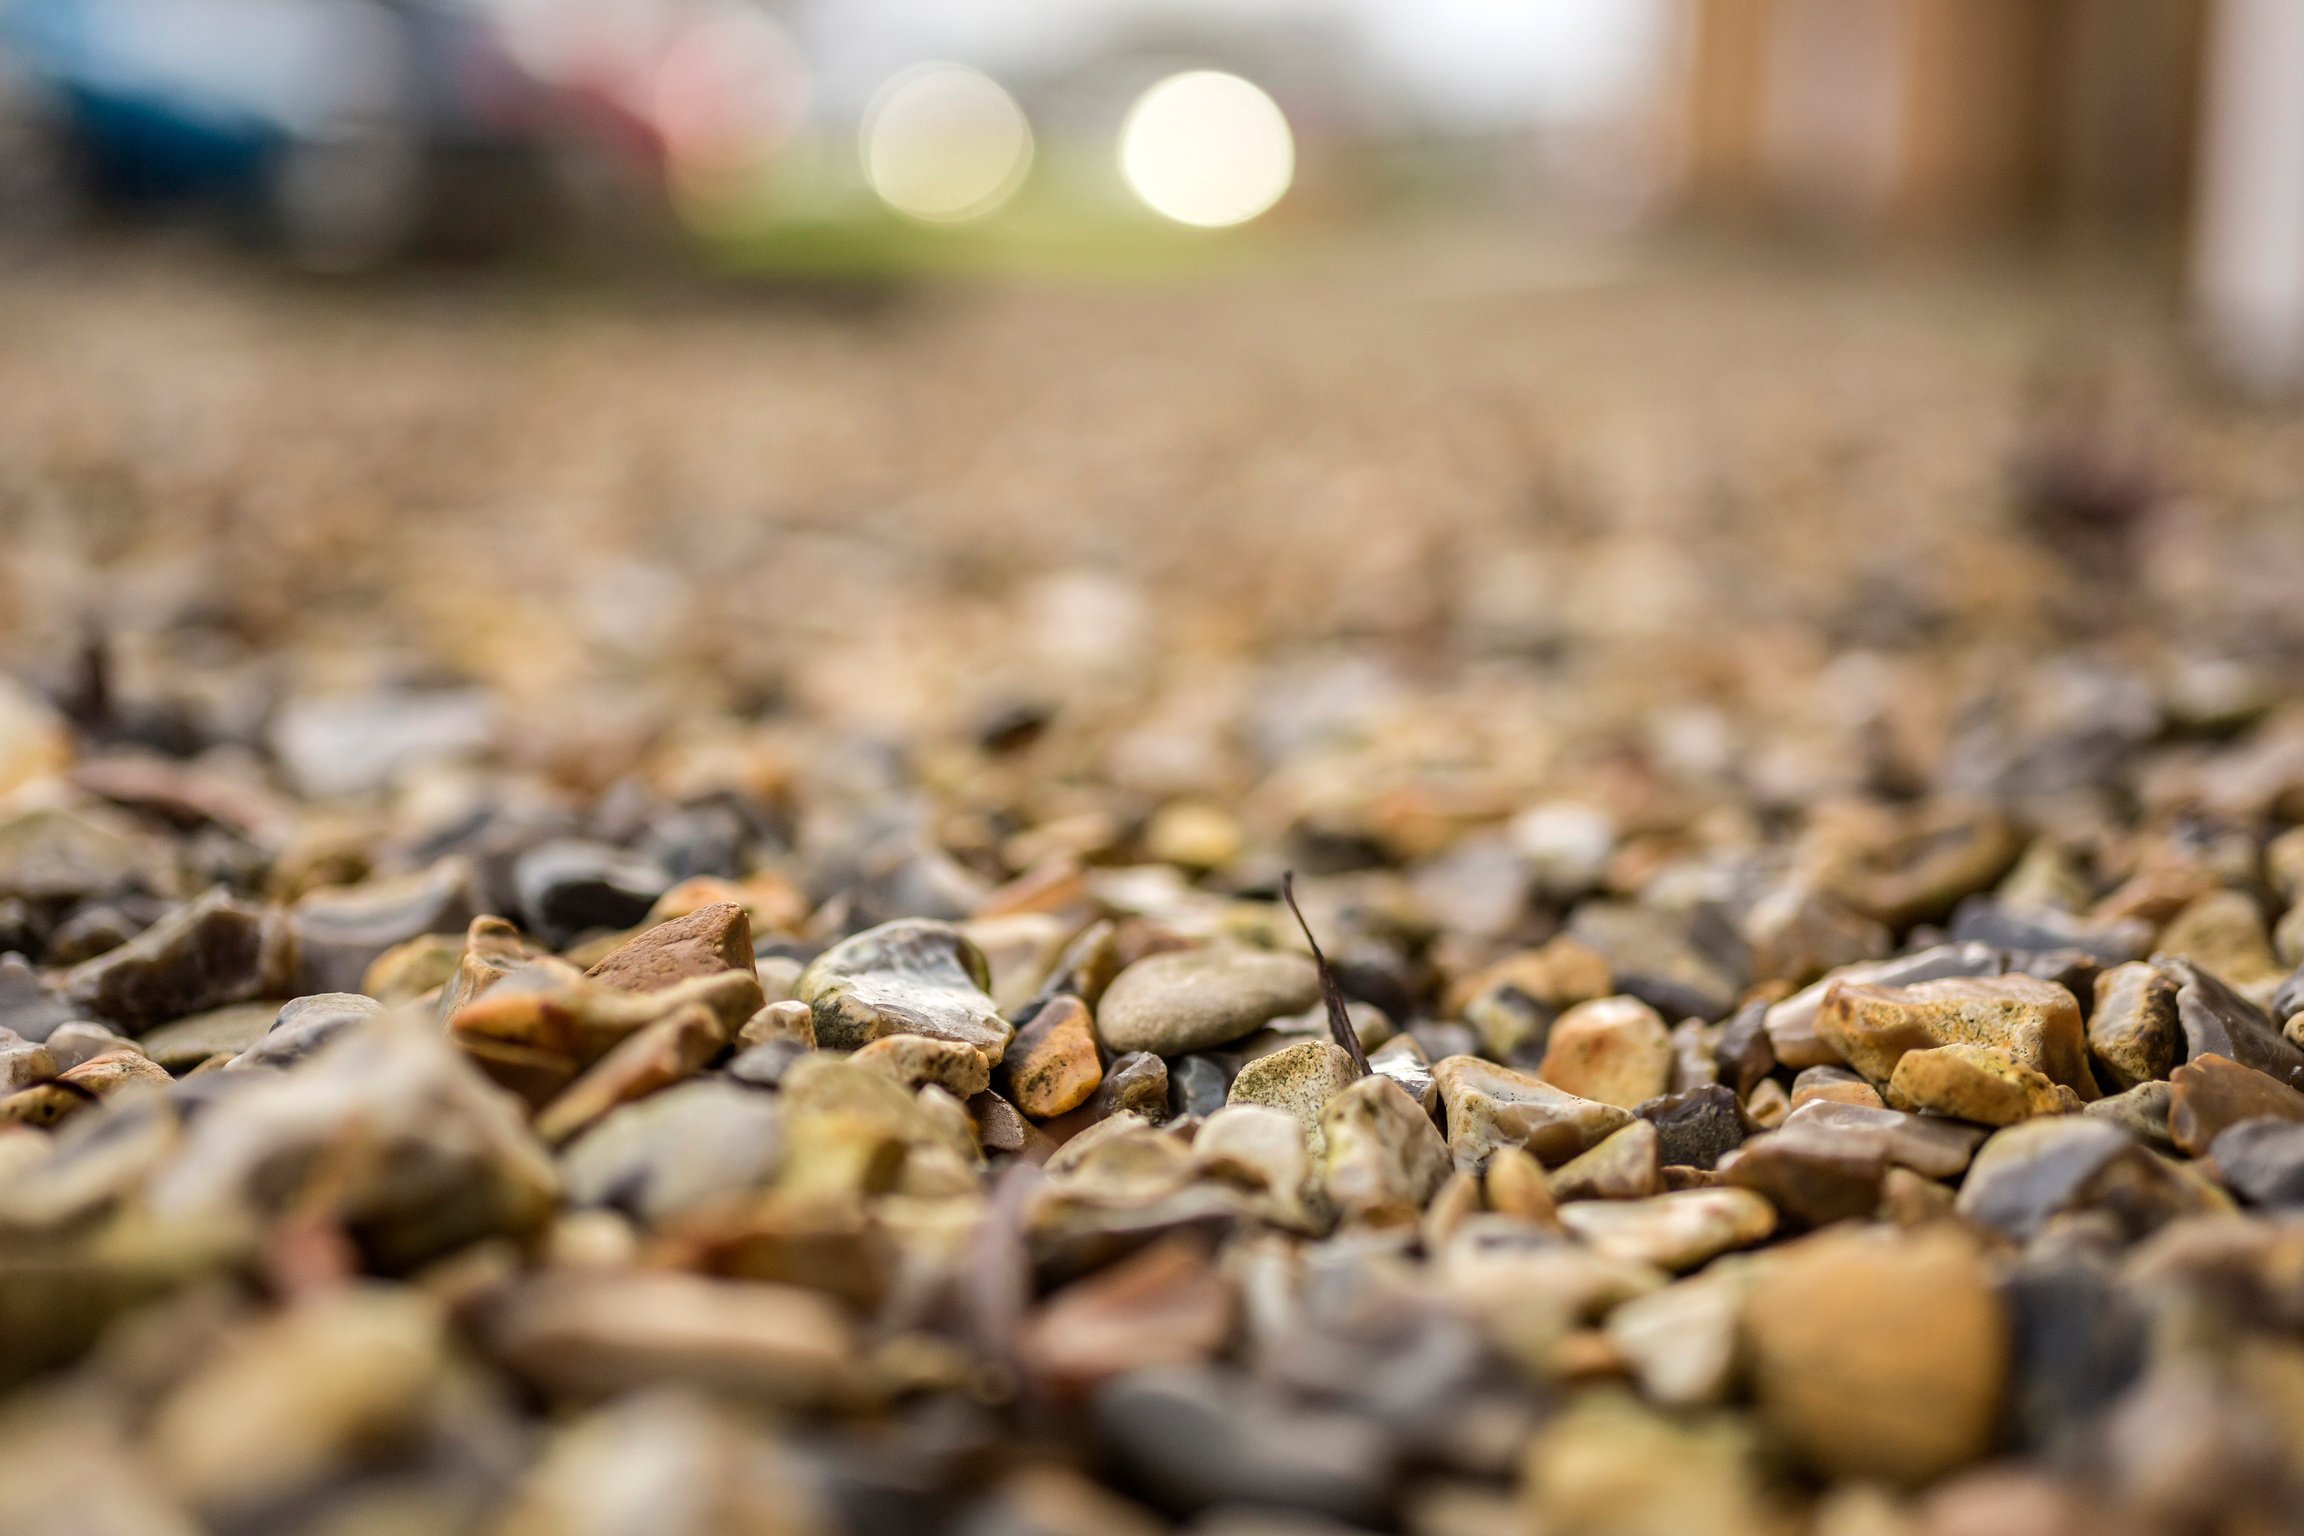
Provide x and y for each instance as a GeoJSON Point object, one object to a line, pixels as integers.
{"type": "Point", "coordinates": [1612, 1050]}
{"type": "Point", "coordinates": [1383, 1158]}
{"type": "Point", "coordinates": [1677, 1230]}
{"type": "Point", "coordinates": [708, 940]}
{"type": "Point", "coordinates": [342, 930]}
{"type": "Point", "coordinates": [2037, 1023]}
{"type": "Point", "coordinates": [1624, 1166]}
{"type": "Point", "coordinates": [1980, 1083]}
{"type": "Point", "coordinates": [2133, 1030]}
{"type": "Point", "coordinates": [1489, 1107]}
{"type": "Point", "coordinates": [2210, 1093]}
{"type": "Point", "coordinates": [1052, 1065]}
{"type": "Point", "coordinates": [211, 951]}
{"type": "Point", "coordinates": [915, 976]}
{"type": "Point", "coordinates": [1300, 1080]}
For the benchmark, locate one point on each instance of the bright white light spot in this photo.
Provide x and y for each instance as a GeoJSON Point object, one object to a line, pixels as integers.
{"type": "Point", "coordinates": [945, 144]}
{"type": "Point", "coordinates": [1207, 148]}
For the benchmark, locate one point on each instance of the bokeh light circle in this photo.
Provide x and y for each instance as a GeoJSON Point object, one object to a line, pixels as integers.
{"type": "Point", "coordinates": [1208, 149]}
{"type": "Point", "coordinates": [944, 143]}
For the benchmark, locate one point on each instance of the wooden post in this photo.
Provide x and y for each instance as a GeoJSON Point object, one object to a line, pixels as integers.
{"type": "Point", "coordinates": [2248, 246]}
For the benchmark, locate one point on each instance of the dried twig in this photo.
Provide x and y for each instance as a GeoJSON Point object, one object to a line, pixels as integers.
{"type": "Point", "coordinates": [1339, 1018]}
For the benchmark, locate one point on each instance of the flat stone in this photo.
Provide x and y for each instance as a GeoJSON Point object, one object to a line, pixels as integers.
{"type": "Point", "coordinates": [1930, 1146]}
{"type": "Point", "coordinates": [305, 1025]}
{"type": "Point", "coordinates": [916, 1059]}
{"type": "Point", "coordinates": [651, 1058]}
{"type": "Point", "coordinates": [2133, 1029]}
{"type": "Point", "coordinates": [1383, 1157]}
{"type": "Point", "coordinates": [1052, 1065]}
{"type": "Point", "coordinates": [1812, 1180]}
{"type": "Point", "coordinates": [2035, 1022]}
{"type": "Point", "coordinates": [693, 1144]}
{"type": "Point", "coordinates": [211, 951]}
{"type": "Point", "coordinates": [594, 1334]}
{"type": "Point", "coordinates": [1835, 1083]}
{"type": "Point", "coordinates": [2035, 1170]}
{"type": "Point", "coordinates": [1677, 1230]}
{"type": "Point", "coordinates": [1299, 1080]}
{"type": "Point", "coordinates": [568, 887]}
{"type": "Point", "coordinates": [916, 976]}
{"type": "Point", "coordinates": [2210, 1093]}
{"type": "Point", "coordinates": [1614, 1050]}
{"type": "Point", "coordinates": [1792, 1024]}
{"type": "Point", "coordinates": [1879, 1355]}
{"type": "Point", "coordinates": [342, 930]}
{"type": "Point", "coordinates": [1489, 1106]}
{"type": "Point", "coordinates": [2141, 1111]}
{"type": "Point", "coordinates": [1696, 1128]}
{"type": "Point", "coordinates": [2262, 1161]}
{"type": "Point", "coordinates": [2219, 1021]}
{"type": "Point", "coordinates": [712, 938]}
{"type": "Point", "coordinates": [1197, 999]}
{"type": "Point", "coordinates": [1623, 1167]}
{"type": "Point", "coordinates": [225, 1031]}
{"type": "Point", "coordinates": [1981, 1083]}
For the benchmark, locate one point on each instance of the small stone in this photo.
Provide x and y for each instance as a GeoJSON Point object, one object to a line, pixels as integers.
{"type": "Point", "coordinates": [1167, 1306]}
{"type": "Point", "coordinates": [1197, 999]}
{"type": "Point", "coordinates": [1981, 1083]}
{"type": "Point", "coordinates": [2142, 1112]}
{"type": "Point", "coordinates": [1835, 1083]}
{"type": "Point", "coordinates": [1681, 1342]}
{"type": "Point", "coordinates": [1300, 1080]}
{"type": "Point", "coordinates": [1767, 1104]}
{"type": "Point", "coordinates": [652, 1057]}
{"type": "Point", "coordinates": [1516, 1185]}
{"type": "Point", "coordinates": [1136, 1083]}
{"type": "Point", "coordinates": [342, 930]}
{"type": "Point", "coordinates": [786, 1019]}
{"type": "Point", "coordinates": [710, 939]}
{"type": "Point", "coordinates": [568, 887]}
{"type": "Point", "coordinates": [1811, 1180]}
{"type": "Point", "coordinates": [916, 976]}
{"type": "Point", "coordinates": [210, 951]}
{"type": "Point", "coordinates": [1792, 1023]}
{"type": "Point", "coordinates": [1194, 834]}
{"type": "Point", "coordinates": [1622, 1167]}
{"type": "Point", "coordinates": [1489, 1106]}
{"type": "Point", "coordinates": [97, 1078]}
{"type": "Point", "coordinates": [2262, 1161]}
{"type": "Point", "coordinates": [2042, 930]}
{"type": "Point", "coordinates": [1193, 1439]}
{"type": "Point", "coordinates": [2219, 1021]}
{"type": "Point", "coordinates": [593, 1334]}
{"type": "Point", "coordinates": [1932, 1147]}
{"type": "Point", "coordinates": [1742, 1053]}
{"type": "Point", "coordinates": [79, 1041]}
{"type": "Point", "coordinates": [2133, 1029]}
{"type": "Point", "coordinates": [2223, 932]}
{"type": "Point", "coordinates": [1001, 1127]}
{"type": "Point", "coordinates": [675, 1151]}
{"type": "Point", "coordinates": [916, 1059]}
{"type": "Point", "coordinates": [1677, 1230]}
{"type": "Point", "coordinates": [1694, 1064]}
{"type": "Point", "coordinates": [225, 1031]}
{"type": "Point", "coordinates": [23, 1063]}
{"type": "Point", "coordinates": [1879, 1355]}
{"type": "Point", "coordinates": [28, 1006]}
{"type": "Point", "coordinates": [1383, 1158]}
{"type": "Point", "coordinates": [2078, 1343]}
{"type": "Point", "coordinates": [1613, 1050]}
{"type": "Point", "coordinates": [1611, 1466]}
{"type": "Point", "coordinates": [1264, 1151]}
{"type": "Point", "coordinates": [764, 1065]}
{"type": "Point", "coordinates": [1797, 933]}
{"type": "Point", "coordinates": [2210, 1093]}
{"type": "Point", "coordinates": [2038, 1169]}
{"type": "Point", "coordinates": [1052, 1066]}
{"type": "Point", "coordinates": [1560, 974]}
{"type": "Point", "coordinates": [2037, 1023]}
{"type": "Point", "coordinates": [303, 1026]}
{"type": "Point", "coordinates": [1697, 1128]}
{"type": "Point", "coordinates": [1198, 1085]}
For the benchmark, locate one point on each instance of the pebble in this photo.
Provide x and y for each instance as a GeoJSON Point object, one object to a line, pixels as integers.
{"type": "Point", "coordinates": [1697, 1127]}
{"type": "Point", "coordinates": [708, 940]}
{"type": "Point", "coordinates": [1198, 1085]}
{"type": "Point", "coordinates": [2036, 1023]}
{"type": "Point", "coordinates": [1490, 1106]}
{"type": "Point", "coordinates": [305, 1025]}
{"type": "Point", "coordinates": [1612, 1050]}
{"type": "Point", "coordinates": [1681, 1343]}
{"type": "Point", "coordinates": [1811, 1179]}
{"type": "Point", "coordinates": [1791, 1025]}
{"type": "Point", "coordinates": [1383, 1158]}
{"type": "Point", "coordinates": [1516, 1185]}
{"type": "Point", "coordinates": [2133, 1030]}
{"type": "Point", "coordinates": [915, 976]}
{"type": "Point", "coordinates": [692, 1144]}
{"type": "Point", "coordinates": [1053, 1064]}
{"type": "Point", "coordinates": [2262, 1161]}
{"type": "Point", "coordinates": [1299, 1080]}
{"type": "Point", "coordinates": [2210, 1092]}
{"type": "Point", "coordinates": [2035, 1170]}
{"type": "Point", "coordinates": [1879, 1355]}
{"type": "Point", "coordinates": [1190, 1439]}
{"type": "Point", "coordinates": [225, 1031]}
{"type": "Point", "coordinates": [1798, 933]}
{"type": "Point", "coordinates": [1266, 1152]}
{"type": "Point", "coordinates": [81, 1040]}
{"type": "Point", "coordinates": [211, 951]}
{"type": "Point", "coordinates": [1166, 1307]}
{"type": "Point", "coordinates": [1981, 1083]}
{"type": "Point", "coordinates": [1624, 1166]}
{"type": "Point", "coordinates": [1677, 1230]}
{"type": "Point", "coordinates": [568, 887]}
{"type": "Point", "coordinates": [1198, 999]}
{"type": "Point", "coordinates": [342, 930]}
{"type": "Point", "coordinates": [2219, 1021]}
{"type": "Point", "coordinates": [2142, 1112]}
{"type": "Point", "coordinates": [1680, 965]}
{"type": "Point", "coordinates": [28, 1006]}
{"type": "Point", "coordinates": [1930, 1146]}
{"type": "Point", "coordinates": [917, 1059]}
{"type": "Point", "coordinates": [1835, 1083]}
{"type": "Point", "coordinates": [1402, 1059]}
{"type": "Point", "coordinates": [2223, 932]}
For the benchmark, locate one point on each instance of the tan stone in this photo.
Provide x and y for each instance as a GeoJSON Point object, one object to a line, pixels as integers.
{"type": "Point", "coordinates": [1300, 1080]}
{"type": "Point", "coordinates": [2035, 1022]}
{"type": "Point", "coordinates": [1981, 1083]}
{"type": "Point", "coordinates": [1676, 1230]}
{"type": "Point", "coordinates": [1383, 1156]}
{"type": "Point", "coordinates": [1626, 1166]}
{"type": "Point", "coordinates": [1490, 1106]}
{"type": "Point", "coordinates": [1516, 1186]}
{"type": "Point", "coordinates": [1613, 1050]}
{"type": "Point", "coordinates": [914, 1060]}
{"type": "Point", "coordinates": [2208, 1095]}
{"type": "Point", "coordinates": [1879, 1355]}
{"type": "Point", "coordinates": [1052, 1065]}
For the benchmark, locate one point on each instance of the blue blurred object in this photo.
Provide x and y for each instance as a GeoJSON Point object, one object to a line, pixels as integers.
{"type": "Point", "coordinates": [345, 131]}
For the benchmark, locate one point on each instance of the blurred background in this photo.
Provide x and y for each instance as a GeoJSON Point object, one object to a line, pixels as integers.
{"type": "Point", "coordinates": [898, 360]}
